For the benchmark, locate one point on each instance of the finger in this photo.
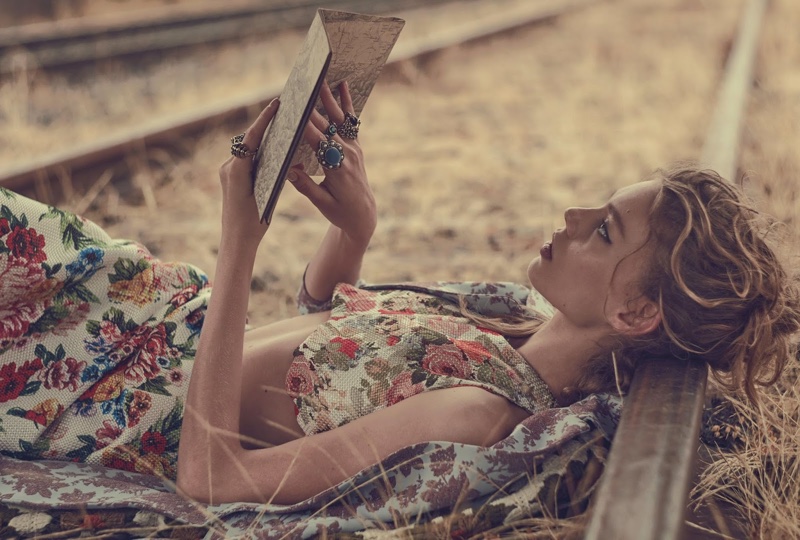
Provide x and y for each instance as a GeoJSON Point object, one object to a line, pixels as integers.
{"type": "Point", "coordinates": [319, 196]}
{"type": "Point", "coordinates": [347, 99]}
{"type": "Point", "coordinates": [254, 134]}
{"type": "Point", "coordinates": [319, 121]}
{"type": "Point", "coordinates": [329, 102]}
{"type": "Point", "coordinates": [312, 135]}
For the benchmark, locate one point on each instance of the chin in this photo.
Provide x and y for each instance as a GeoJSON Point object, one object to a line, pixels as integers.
{"type": "Point", "coordinates": [533, 270]}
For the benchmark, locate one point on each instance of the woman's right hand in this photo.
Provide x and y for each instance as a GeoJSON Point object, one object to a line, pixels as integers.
{"type": "Point", "coordinates": [344, 197]}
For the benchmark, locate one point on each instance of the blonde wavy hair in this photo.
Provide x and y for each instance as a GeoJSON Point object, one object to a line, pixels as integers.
{"type": "Point", "coordinates": [723, 294]}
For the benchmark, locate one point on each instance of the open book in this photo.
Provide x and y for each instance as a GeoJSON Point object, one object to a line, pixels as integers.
{"type": "Point", "coordinates": [339, 46]}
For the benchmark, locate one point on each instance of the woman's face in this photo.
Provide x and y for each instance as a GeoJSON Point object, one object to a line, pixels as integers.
{"type": "Point", "coordinates": [593, 266]}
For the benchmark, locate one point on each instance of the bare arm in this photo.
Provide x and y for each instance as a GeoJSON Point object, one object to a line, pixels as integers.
{"type": "Point", "coordinates": [210, 431]}
{"type": "Point", "coordinates": [344, 198]}
{"type": "Point", "coordinates": [297, 470]}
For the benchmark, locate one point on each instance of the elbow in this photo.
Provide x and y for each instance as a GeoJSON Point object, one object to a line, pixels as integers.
{"type": "Point", "coordinates": [190, 490]}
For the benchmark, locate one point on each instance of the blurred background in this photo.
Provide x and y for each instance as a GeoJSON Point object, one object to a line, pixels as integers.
{"type": "Point", "coordinates": [474, 150]}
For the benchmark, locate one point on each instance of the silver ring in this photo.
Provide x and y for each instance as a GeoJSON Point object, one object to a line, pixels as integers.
{"type": "Point", "coordinates": [349, 128]}
{"type": "Point", "coordinates": [330, 154]}
{"type": "Point", "coordinates": [239, 149]}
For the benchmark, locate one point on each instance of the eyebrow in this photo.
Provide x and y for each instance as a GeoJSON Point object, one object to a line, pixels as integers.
{"type": "Point", "coordinates": [617, 218]}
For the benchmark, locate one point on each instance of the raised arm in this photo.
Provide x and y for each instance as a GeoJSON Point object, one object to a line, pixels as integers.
{"type": "Point", "coordinates": [344, 197]}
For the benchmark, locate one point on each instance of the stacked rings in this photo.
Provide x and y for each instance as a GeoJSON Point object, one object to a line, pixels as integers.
{"type": "Point", "coordinates": [330, 154]}
{"type": "Point", "coordinates": [349, 128]}
{"type": "Point", "coordinates": [239, 149]}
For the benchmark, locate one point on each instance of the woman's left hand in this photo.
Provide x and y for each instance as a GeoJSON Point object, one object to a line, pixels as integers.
{"type": "Point", "coordinates": [344, 197]}
{"type": "Point", "coordinates": [240, 215]}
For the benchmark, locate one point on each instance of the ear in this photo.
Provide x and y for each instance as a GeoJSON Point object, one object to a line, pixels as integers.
{"type": "Point", "coordinates": [637, 317]}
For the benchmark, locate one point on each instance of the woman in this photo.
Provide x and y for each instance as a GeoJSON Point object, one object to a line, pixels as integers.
{"type": "Point", "coordinates": [669, 266]}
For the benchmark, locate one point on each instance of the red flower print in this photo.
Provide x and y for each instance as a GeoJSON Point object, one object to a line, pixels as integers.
{"type": "Point", "coordinates": [119, 457]}
{"type": "Point", "coordinates": [184, 296]}
{"type": "Point", "coordinates": [45, 412]}
{"type": "Point", "coordinates": [391, 340]}
{"type": "Point", "coordinates": [25, 294]}
{"type": "Point", "coordinates": [446, 359]}
{"type": "Point", "coordinates": [489, 331]}
{"type": "Point", "coordinates": [153, 442]}
{"type": "Point", "coordinates": [475, 351]}
{"type": "Point", "coordinates": [4, 228]}
{"type": "Point", "coordinates": [27, 244]}
{"type": "Point", "coordinates": [146, 345]}
{"type": "Point", "coordinates": [402, 388]}
{"type": "Point", "coordinates": [347, 346]}
{"type": "Point", "coordinates": [107, 434]}
{"type": "Point", "coordinates": [301, 379]}
{"type": "Point", "coordinates": [138, 407]}
{"type": "Point", "coordinates": [13, 380]}
{"type": "Point", "coordinates": [36, 417]}
{"type": "Point", "coordinates": [109, 331]}
{"type": "Point", "coordinates": [63, 374]}
{"type": "Point", "coordinates": [175, 377]}
{"type": "Point", "coordinates": [360, 304]}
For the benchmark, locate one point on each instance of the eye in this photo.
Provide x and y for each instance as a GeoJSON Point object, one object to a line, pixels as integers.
{"type": "Point", "coordinates": [602, 230]}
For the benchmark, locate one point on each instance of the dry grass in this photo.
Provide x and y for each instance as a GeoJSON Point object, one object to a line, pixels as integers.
{"type": "Point", "coordinates": [755, 488]}
{"type": "Point", "coordinates": [473, 154]}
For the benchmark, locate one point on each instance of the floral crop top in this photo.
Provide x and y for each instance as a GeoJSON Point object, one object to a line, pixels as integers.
{"type": "Point", "coordinates": [382, 346]}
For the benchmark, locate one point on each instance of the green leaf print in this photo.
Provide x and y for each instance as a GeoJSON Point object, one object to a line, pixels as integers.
{"type": "Point", "coordinates": [170, 426]}
{"type": "Point", "coordinates": [156, 385]}
{"type": "Point", "coordinates": [431, 337]}
{"type": "Point", "coordinates": [84, 451]}
{"type": "Point", "coordinates": [126, 269]}
{"type": "Point", "coordinates": [17, 411]}
{"type": "Point", "coordinates": [31, 388]}
{"type": "Point", "coordinates": [51, 317]}
{"type": "Point", "coordinates": [71, 229]}
{"type": "Point", "coordinates": [80, 292]}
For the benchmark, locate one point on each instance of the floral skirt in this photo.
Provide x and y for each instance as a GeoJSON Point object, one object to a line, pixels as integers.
{"type": "Point", "coordinates": [97, 342]}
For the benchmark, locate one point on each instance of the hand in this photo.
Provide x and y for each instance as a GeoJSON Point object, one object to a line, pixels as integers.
{"type": "Point", "coordinates": [240, 216]}
{"type": "Point", "coordinates": [344, 196]}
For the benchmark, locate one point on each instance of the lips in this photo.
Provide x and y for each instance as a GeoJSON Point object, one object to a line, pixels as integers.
{"type": "Point", "coordinates": [547, 251]}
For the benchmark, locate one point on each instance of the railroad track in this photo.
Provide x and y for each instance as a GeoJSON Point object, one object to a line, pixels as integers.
{"type": "Point", "coordinates": [74, 42]}
{"type": "Point", "coordinates": [55, 176]}
{"type": "Point", "coordinates": [648, 475]}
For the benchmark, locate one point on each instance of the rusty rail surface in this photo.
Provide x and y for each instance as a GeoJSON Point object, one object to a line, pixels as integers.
{"type": "Point", "coordinates": [51, 176]}
{"type": "Point", "coordinates": [645, 488]}
{"type": "Point", "coordinates": [86, 40]}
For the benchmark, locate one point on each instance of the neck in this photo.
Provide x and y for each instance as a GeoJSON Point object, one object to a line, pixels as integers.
{"type": "Point", "coordinates": [559, 351]}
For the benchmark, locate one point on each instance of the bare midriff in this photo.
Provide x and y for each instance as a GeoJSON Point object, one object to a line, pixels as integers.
{"type": "Point", "coordinates": [267, 412]}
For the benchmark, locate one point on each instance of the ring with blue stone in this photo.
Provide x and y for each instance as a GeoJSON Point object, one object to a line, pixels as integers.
{"type": "Point", "coordinates": [331, 130]}
{"type": "Point", "coordinates": [330, 154]}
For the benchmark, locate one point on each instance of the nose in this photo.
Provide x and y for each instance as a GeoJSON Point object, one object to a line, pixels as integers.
{"type": "Point", "coordinates": [576, 219]}
{"type": "Point", "coordinates": [572, 220]}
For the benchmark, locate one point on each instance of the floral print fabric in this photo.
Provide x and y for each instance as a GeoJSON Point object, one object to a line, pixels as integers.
{"type": "Point", "coordinates": [97, 342]}
{"type": "Point", "coordinates": [380, 347]}
{"type": "Point", "coordinates": [522, 476]}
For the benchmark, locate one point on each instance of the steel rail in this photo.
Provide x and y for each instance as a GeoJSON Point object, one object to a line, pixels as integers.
{"type": "Point", "coordinates": [87, 40]}
{"type": "Point", "coordinates": [39, 175]}
{"type": "Point", "coordinates": [644, 492]}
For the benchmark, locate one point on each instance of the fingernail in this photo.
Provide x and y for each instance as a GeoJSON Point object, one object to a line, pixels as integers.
{"type": "Point", "coordinates": [293, 176]}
